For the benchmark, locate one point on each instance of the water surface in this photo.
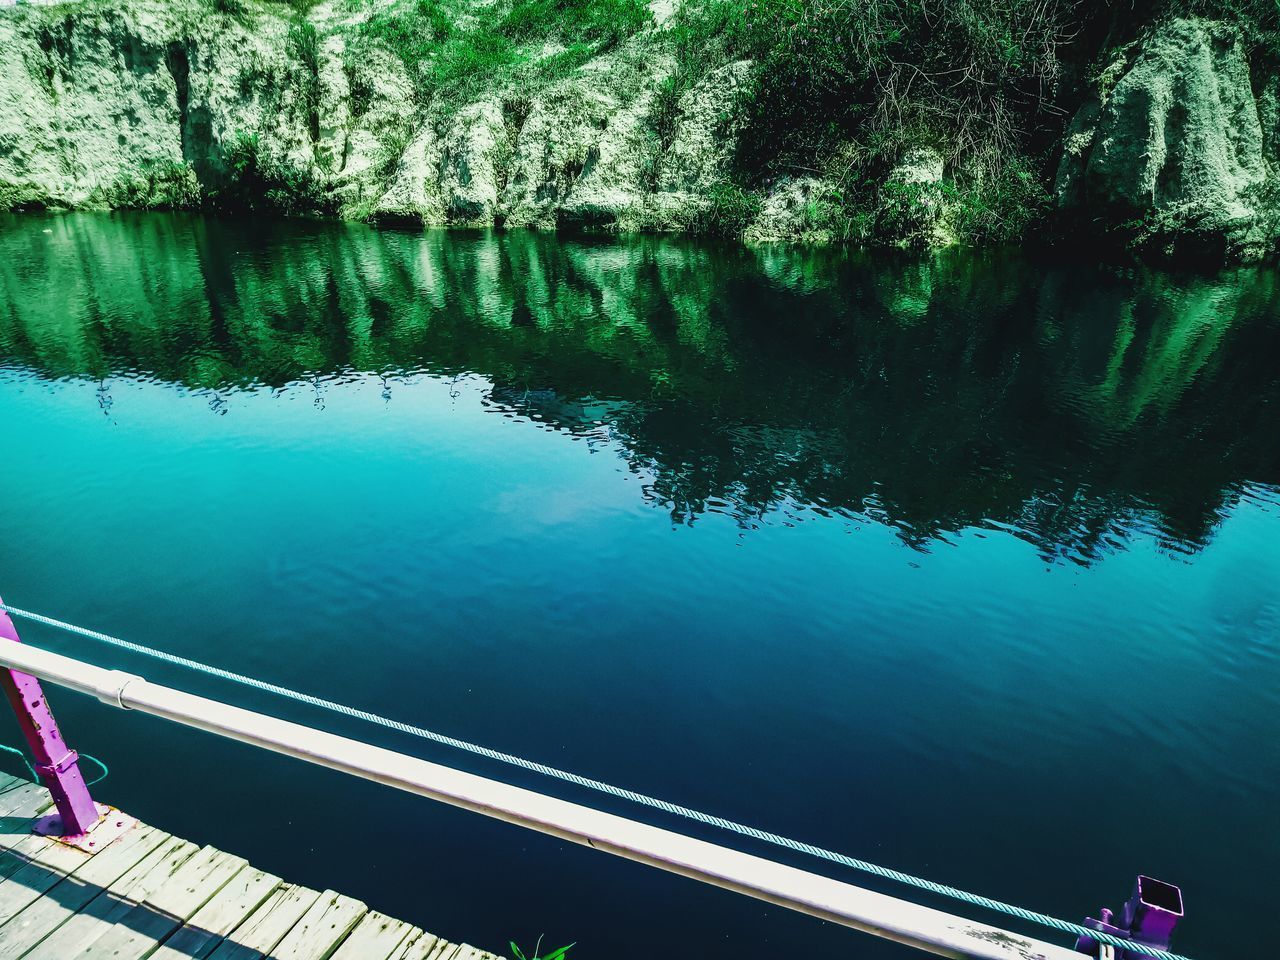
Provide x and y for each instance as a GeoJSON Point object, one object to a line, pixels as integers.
{"type": "Point", "coordinates": [967, 565]}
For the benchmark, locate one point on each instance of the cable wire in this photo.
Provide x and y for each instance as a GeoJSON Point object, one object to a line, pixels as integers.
{"type": "Point", "coordinates": [103, 772]}
{"type": "Point", "coordinates": [887, 873]}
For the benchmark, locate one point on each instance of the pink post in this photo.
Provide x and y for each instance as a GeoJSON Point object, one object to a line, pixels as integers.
{"type": "Point", "coordinates": [54, 761]}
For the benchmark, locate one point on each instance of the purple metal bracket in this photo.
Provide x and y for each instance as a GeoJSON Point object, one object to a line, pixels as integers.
{"type": "Point", "coordinates": [55, 762]}
{"type": "Point", "coordinates": [1150, 916]}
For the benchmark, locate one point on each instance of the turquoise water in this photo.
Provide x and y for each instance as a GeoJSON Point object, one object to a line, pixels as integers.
{"type": "Point", "coordinates": [967, 566]}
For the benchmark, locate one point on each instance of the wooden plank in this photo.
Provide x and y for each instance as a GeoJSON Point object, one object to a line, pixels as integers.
{"type": "Point", "coordinates": [44, 867]}
{"type": "Point", "coordinates": [321, 929]}
{"type": "Point", "coordinates": [444, 950]}
{"type": "Point", "coordinates": [19, 853]}
{"type": "Point", "coordinates": [24, 802]}
{"type": "Point", "coordinates": [195, 882]}
{"type": "Point", "coordinates": [100, 914]}
{"type": "Point", "coordinates": [376, 937]}
{"type": "Point", "coordinates": [418, 948]}
{"type": "Point", "coordinates": [150, 896]}
{"type": "Point", "coordinates": [67, 898]}
{"type": "Point", "coordinates": [12, 782]}
{"type": "Point", "coordinates": [233, 905]}
{"type": "Point", "coordinates": [429, 947]}
{"type": "Point", "coordinates": [259, 935]}
{"type": "Point", "coordinates": [137, 931]}
{"type": "Point", "coordinates": [19, 809]}
{"type": "Point", "coordinates": [468, 952]}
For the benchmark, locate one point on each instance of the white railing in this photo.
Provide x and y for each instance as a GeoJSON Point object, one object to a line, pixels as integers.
{"type": "Point", "coordinates": [889, 917]}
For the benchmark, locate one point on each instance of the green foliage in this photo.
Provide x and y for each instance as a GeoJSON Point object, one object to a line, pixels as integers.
{"type": "Point", "coordinates": [20, 196]}
{"type": "Point", "coordinates": [664, 115]}
{"type": "Point", "coordinates": [413, 32]}
{"type": "Point", "coordinates": [597, 23]}
{"type": "Point", "coordinates": [729, 211]}
{"type": "Point", "coordinates": [702, 36]}
{"type": "Point", "coordinates": [843, 88]}
{"type": "Point", "coordinates": [391, 148]}
{"type": "Point", "coordinates": [558, 954]}
{"type": "Point", "coordinates": [707, 34]}
{"type": "Point", "coordinates": [1003, 209]}
{"type": "Point", "coordinates": [169, 185]}
{"type": "Point", "coordinates": [470, 59]}
{"type": "Point", "coordinates": [259, 180]}
{"type": "Point", "coordinates": [360, 88]}
{"type": "Point", "coordinates": [303, 43]}
{"type": "Point", "coordinates": [971, 77]}
{"type": "Point", "coordinates": [450, 56]}
{"type": "Point", "coordinates": [1258, 20]}
{"type": "Point", "coordinates": [422, 35]}
{"type": "Point", "coordinates": [239, 8]}
{"type": "Point", "coordinates": [906, 211]}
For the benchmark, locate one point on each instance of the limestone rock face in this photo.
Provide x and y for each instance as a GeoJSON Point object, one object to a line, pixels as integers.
{"type": "Point", "coordinates": [147, 103]}
{"type": "Point", "coordinates": [912, 209]}
{"type": "Point", "coordinates": [68, 135]}
{"type": "Point", "coordinates": [122, 105]}
{"type": "Point", "coordinates": [468, 168]}
{"type": "Point", "coordinates": [573, 154]}
{"type": "Point", "coordinates": [413, 192]}
{"type": "Point", "coordinates": [702, 144]}
{"type": "Point", "coordinates": [795, 209]}
{"type": "Point", "coordinates": [1172, 144]}
{"type": "Point", "coordinates": [580, 152]}
{"type": "Point", "coordinates": [151, 102]}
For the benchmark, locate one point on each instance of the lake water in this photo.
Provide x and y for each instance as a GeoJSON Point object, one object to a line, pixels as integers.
{"type": "Point", "coordinates": [968, 565]}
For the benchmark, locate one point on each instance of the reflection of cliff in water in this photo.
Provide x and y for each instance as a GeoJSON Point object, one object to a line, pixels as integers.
{"type": "Point", "coordinates": [1069, 404]}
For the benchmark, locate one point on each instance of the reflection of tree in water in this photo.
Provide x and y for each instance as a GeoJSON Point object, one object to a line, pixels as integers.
{"type": "Point", "coordinates": [1069, 404]}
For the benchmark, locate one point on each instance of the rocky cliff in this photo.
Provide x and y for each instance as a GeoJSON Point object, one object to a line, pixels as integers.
{"type": "Point", "coordinates": [165, 103]}
{"type": "Point", "coordinates": [1174, 146]}
{"type": "Point", "coordinates": [626, 118]}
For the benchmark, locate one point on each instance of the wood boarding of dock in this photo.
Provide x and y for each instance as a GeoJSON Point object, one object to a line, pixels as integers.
{"type": "Point", "coordinates": [148, 895]}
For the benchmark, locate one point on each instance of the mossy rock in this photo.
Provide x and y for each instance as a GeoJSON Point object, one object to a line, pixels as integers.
{"type": "Point", "coordinates": [1168, 154]}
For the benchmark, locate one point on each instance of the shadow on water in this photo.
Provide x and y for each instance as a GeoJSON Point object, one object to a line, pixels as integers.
{"type": "Point", "coordinates": [1068, 404]}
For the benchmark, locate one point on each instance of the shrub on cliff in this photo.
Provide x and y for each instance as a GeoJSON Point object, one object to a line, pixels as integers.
{"type": "Point", "coordinates": [845, 88]}
{"type": "Point", "coordinates": [257, 179]}
{"type": "Point", "coordinates": [167, 185]}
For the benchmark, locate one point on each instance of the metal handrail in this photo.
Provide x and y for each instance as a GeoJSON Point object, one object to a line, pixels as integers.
{"type": "Point", "coordinates": [925, 928]}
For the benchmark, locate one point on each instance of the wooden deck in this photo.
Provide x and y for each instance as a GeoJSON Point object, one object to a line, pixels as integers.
{"type": "Point", "coordinates": [148, 894]}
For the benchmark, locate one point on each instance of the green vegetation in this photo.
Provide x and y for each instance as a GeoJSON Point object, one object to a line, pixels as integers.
{"type": "Point", "coordinates": [259, 180]}
{"type": "Point", "coordinates": [304, 46]}
{"type": "Point", "coordinates": [600, 24]}
{"type": "Point", "coordinates": [166, 186]}
{"type": "Point", "coordinates": [843, 88]}
{"type": "Point", "coordinates": [558, 954]}
{"type": "Point", "coordinates": [1258, 20]}
{"type": "Point", "coordinates": [240, 8]}
{"type": "Point", "coordinates": [450, 52]}
{"type": "Point", "coordinates": [730, 211]}
{"type": "Point", "coordinates": [839, 91]}
{"type": "Point", "coordinates": [883, 121]}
